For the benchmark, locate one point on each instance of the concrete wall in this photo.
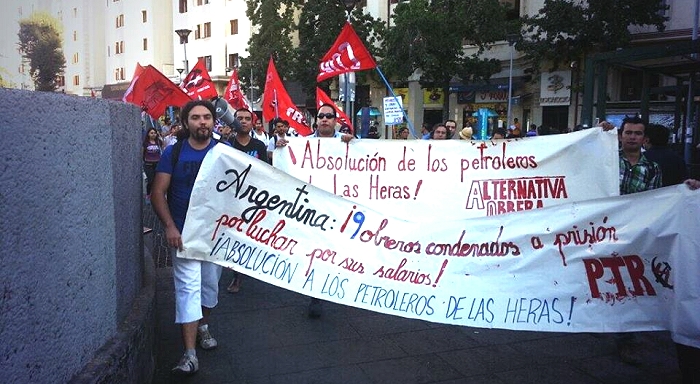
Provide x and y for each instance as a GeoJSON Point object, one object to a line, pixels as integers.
{"type": "Point", "coordinates": [71, 243]}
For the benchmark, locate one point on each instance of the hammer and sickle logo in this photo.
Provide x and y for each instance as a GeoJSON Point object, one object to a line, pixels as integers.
{"type": "Point", "coordinates": [662, 273]}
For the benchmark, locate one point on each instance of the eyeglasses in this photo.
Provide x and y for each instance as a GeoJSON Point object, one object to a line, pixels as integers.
{"type": "Point", "coordinates": [326, 116]}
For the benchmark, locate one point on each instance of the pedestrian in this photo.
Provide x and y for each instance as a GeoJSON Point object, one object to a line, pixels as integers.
{"type": "Point", "coordinates": [425, 131]}
{"type": "Point", "coordinates": [466, 133]}
{"type": "Point", "coordinates": [325, 120]}
{"type": "Point", "coordinates": [151, 151]}
{"type": "Point", "coordinates": [196, 282]}
{"type": "Point", "coordinates": [673, 168]}
{"type": "Point", "coordinates": [279, 137]}
{"type": "Point", "coordinates": [403, 133]}
{"type": "Point", "coordinates": [637, 173]}
{"type": "Point", "coordinates": [499, 133]}
{"type": "Point", "coordinates": [258, 131]}
{"type": "Point", "coordinates": [439, 132]}
{"type": "Point", "coordinates": [532, 131]}
{"type": "Point", "coordinates": [451, 126]}
{"type": "Point", "coordinates": [242, 139]}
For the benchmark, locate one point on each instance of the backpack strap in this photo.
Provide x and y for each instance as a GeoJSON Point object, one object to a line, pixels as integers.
{"type": "Point", "coordinates": [175, 154]}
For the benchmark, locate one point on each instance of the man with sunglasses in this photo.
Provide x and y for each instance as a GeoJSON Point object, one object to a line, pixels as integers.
{"type": "Point", "coordinates": [326, 120]}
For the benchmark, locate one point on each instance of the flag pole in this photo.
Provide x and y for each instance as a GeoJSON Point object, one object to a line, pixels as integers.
{"type": "Point", "coordinates": [277, 112]}
{"type": "Point", "coordinates": [410, 123]}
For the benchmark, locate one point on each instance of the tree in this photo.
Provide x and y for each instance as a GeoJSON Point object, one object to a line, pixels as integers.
{"type": "Point", "coordinates": [320, 22]}
{"type": "Point", "coordinates": [429, 36]}
{"type": "Point", "coordinates": [275, 19]}
{"type": "Point", "coordinates": [567, 31]}
{"type": "Point", "coordinates": [40, 43]}
{"type": "Point", "coordinates": [4, 83]}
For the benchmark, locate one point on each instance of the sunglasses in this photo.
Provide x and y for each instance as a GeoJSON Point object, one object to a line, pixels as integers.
{"type": "Point", "coordinates": [326, 116]}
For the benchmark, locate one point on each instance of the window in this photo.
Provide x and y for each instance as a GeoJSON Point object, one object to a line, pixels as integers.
{"type": "Point", "coordinates": [76, 80]}
{"type": "Point", "coordinates": [75, 35]}
{"type": "Point", "coordinates": [61, 81]}
{"type": "Point", "coordinates": [119, 47]}
{"type": "Point", "coordinates": [202, 2]}
{"type": "Point", "coordinates": [232, 60]}
{"type": "Point", "coordinates": [75, 58]}
{"type": "Point", "coordinates": [119, 74]}
{"type": "Point", "coordinates": [120, 21]}
{"type": "Point", "coordinates": [198, 32]}
{"type": "Point", "coordinates": [207, 30]}
{"type": "Point", "coordinates": [234, 26]}
{"type": "Point", "coordinates": [513, 9]}
{"type": "Point", "coordinates": [75, 12]}
{"type": "Point", "coordinates": [207, 61]}
{"type": "Point", "coordinates": [183, 6]}
{"type": "Point", "coordinates": [144, 16]}
{"type": "Point", "coordinates": [145, 44]}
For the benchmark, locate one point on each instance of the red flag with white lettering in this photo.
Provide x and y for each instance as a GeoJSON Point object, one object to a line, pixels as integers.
{"type": "Point", "coordinates": [348, 54]}
{"type": "Point", "coordinates": [322, 98]}
{"type": "Point", "coordinates": [197, 84]}
{"type": "Point", "coordinates": [233, 93]}
{"type": "Point", "coordinates": [128, 94]}
{"type": "Point", "coordinates": [277, 103]}
{"type": "Point", "coordinates": [154, 92]}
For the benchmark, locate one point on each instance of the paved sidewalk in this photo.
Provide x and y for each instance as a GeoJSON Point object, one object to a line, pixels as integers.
{"type": "Point", "coordinates": [265, 337]}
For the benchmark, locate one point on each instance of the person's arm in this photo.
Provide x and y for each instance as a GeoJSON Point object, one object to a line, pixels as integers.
{"type": "Point", "coordinates": [159, 190]}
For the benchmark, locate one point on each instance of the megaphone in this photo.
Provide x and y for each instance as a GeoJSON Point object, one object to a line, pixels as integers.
{"type": "Point", "coordinates": [224, 113]}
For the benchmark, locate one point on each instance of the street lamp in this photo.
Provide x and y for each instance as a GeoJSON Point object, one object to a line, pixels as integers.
{"type": "Point", "coordinates": [184, 34]}
{"type": "Point", "coordinates": [512, 40]}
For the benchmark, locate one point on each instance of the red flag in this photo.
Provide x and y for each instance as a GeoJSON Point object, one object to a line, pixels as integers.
{"type": "Point", "coordinates": [348, 54]}
{"type": "Point", "coordinates": [277, 103]}
{"type": "Point", "coordinates": [128, 95]}
{"type": "Point", "coordinates": [233, 93]}
{"type": "Point", "coordinates": [154, 92]}
{"type": "Point", "coordinates": [197, 84]}
{"type": "Point", "coordinates": [322, 98]}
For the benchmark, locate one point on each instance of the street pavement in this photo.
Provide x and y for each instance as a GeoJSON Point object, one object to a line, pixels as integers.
{"type": "Point", "coordinates": [265, 337]}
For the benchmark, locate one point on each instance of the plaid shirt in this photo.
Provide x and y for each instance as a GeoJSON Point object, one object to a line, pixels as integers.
{"type": "Point", "coordinates": [643, 176]}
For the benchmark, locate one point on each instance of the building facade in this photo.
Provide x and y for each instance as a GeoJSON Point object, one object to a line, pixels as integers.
{"type": "Point", "coordinates": [103, 42]}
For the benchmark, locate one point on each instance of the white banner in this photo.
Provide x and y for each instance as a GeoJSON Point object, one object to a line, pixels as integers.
{"type": "Point", "coordinates": [456, 178]}
{"type": "Point", "coordinates": [626, 263]}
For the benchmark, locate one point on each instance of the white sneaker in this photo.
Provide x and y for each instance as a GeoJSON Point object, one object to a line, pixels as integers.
{"type": "Point", "coordinates": [188, 365]}
{"type": "Point", "coordinates": [206, 340]}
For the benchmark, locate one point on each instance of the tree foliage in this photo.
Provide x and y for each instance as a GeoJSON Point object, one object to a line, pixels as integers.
{"type": "Point", "coordinates": [320, 23]}
{"type": "Point", "coordinates": [40, 43]}
{"type": "Point", "coordinates": [430, 36]}
{"type": "Point", "coordinates": [275, 19]}
{"type": "Point", "coordinates": [565, 31]}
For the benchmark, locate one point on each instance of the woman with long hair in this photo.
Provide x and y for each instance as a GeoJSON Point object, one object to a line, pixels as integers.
{"type": "Point", "coordinates": [152, 149]}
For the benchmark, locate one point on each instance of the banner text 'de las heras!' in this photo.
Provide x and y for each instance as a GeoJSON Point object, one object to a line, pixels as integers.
{"type": "Point", "coordinates": [602, 265]}
{"type": "Point", "coordinates": [458, 178]}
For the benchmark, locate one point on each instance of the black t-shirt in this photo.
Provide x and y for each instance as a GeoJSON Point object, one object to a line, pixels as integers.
{"type": "Point", "coordinates": [255, 148]}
